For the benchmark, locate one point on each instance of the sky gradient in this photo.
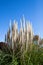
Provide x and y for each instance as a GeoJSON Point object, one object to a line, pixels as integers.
{"type": "Point", "coordinates": [14, 9]}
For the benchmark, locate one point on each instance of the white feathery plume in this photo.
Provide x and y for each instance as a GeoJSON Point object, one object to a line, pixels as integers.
{"type": "Point", "coordinates": [24, 22]}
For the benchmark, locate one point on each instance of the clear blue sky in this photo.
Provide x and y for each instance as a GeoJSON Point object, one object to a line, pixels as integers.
{"type": "Point", "coordinates": [14, 9]}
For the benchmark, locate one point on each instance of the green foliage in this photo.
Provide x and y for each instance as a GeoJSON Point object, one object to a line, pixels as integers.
{"type": "Point", "coordinates": [33, 56]}
{"type": "Point", "coordinates": [14, 61]}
